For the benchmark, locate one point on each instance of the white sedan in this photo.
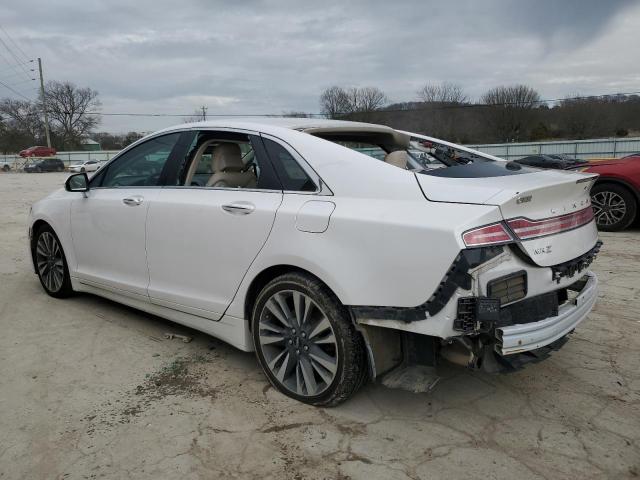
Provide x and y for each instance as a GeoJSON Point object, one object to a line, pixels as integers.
{"type": "Point", "coordinates": [336, 250]}
{"type": "Point", "coordinates": [86, 166]}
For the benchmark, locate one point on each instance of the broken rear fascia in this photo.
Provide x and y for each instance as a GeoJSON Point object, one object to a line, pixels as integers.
{"type": "Point", "coordinates": [457, 277]}
{"type": "Point", "coordinates": [472, 283]}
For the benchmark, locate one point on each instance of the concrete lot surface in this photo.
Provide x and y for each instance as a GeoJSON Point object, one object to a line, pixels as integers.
{"type": "Point", "coordinates": [91, 389]}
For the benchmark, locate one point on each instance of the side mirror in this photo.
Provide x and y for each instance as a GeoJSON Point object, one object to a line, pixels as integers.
{"type": "Point", "coordinates": [78, 182]}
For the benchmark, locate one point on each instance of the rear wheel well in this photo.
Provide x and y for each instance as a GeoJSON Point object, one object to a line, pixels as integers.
{"type": "Point", "coordinates": [265, 277]}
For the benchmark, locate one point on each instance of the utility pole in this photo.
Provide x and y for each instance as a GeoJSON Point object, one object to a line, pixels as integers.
{"type": "Point", "coordinates": [44, 105]}
{"type": "Point", "coordinates": [204, 113]}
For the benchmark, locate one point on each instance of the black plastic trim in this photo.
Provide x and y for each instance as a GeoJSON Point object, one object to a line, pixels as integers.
{"type": "Point", "coordinates": [456, 277]}
{"type": "Point", "coordinates": [576, 265]}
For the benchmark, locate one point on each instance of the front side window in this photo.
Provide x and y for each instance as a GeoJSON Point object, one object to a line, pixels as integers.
{"type": "Point", "coordinates": [142, 165]}
{"type": "Point", "coordinates": [226, 160]}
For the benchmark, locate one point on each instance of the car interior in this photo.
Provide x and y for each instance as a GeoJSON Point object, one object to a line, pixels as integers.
{"type": "Point", "coordinates": [395, 148]}
{"type": "Point", "coordinates": [222, 164]}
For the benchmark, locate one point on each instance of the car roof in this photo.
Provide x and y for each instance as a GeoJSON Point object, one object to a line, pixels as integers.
{"type": "Point", "coordinates": [274, 124]}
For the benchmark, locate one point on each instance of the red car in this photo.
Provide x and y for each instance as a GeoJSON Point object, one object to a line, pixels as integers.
{"type": "Point", "coordinates": [616, 193]}
{"type": "Point", "coordinates": [38, 152]}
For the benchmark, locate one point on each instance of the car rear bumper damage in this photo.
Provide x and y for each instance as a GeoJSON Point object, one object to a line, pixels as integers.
{"type": "Point", "coordinates": [530, 336]}
{"type": "Point", "coordinates": [493, 310]}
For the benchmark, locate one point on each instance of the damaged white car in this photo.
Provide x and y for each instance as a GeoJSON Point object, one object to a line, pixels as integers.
{"type": "Point", "coordinates": [336, 250]}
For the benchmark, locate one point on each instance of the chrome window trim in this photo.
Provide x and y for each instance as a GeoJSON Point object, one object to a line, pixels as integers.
{"type": "Point", "coordinates": [229, 189]}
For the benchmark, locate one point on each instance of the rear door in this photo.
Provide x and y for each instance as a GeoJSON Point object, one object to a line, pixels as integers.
{"type": "Point", "coordinates": [205, 230]}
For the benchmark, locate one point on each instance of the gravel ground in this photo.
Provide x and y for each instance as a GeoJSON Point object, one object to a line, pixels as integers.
{"type": "Point", "coordinates": [91, 389]}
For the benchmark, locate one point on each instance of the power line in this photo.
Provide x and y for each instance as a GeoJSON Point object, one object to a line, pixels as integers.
{"type": "Point", "coordinates": [11, 75]}
{"type": "Point", "coordinates": [14, 91]}
{"type": "Point", "coordinates": [20, 63]}
{"type": "Point", "coordinates": [11, 65]}
{"type": "Point", "coordinates": [21, 82]}
{"type": "Point", "coordinates": [26, 57]}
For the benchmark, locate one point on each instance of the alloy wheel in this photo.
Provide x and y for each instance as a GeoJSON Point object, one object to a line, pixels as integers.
{"type": "Point", "coordinates": [609, 208]}
{"type": "Point", "coordinates": [298, 343]}
{"type": "Point", "coordinates": [49, 261]}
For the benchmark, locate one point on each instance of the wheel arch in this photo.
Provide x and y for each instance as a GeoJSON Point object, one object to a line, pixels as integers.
{"type": "Point", "coordinates": [618, 181]}
{"type": "Point", "coordinates": [37, 225]}
{"type": "Point", "coordinates": [268, 274]}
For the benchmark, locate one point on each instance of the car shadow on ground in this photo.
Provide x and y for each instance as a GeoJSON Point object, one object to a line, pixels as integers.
{"type": "Point", "coordinates": [151, 330]}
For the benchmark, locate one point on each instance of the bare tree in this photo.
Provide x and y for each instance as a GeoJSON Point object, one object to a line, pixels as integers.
{"type": "Point", "coordinates": [70, 111]}
{"type": "Point", "coordinates": [445, 92]}
{"type": "Point", "coordinates": [24, 114]}
{"type": "Point", "coordinates": [509, 110]}
{"type": "Point", "coordinates": [334, 101]}
{"type": "Point", "coordinates": [337, 102]}
{"type": "Point", "coordinates": [367, 99]}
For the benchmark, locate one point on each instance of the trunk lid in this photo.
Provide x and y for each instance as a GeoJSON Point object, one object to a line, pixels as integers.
{"type": "Point", "coordinates": [522, 193]}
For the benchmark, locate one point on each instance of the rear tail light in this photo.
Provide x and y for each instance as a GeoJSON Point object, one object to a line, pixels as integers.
{"type": "Point", "coordinates": [493, 234]}
{"type": "Point", "coordinates": [526, 229]}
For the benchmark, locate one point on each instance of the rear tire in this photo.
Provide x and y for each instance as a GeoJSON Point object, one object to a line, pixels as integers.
{"type": "Point", "coordinates": [6, 168]}
{"type": "Point", "coordinates": [51, 263]}
{"type": "Point", "coordinates": [306, 342]}
{"type": "Point", "coordinates": [614, 206]}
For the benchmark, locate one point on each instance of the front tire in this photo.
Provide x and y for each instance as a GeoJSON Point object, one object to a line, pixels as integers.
{"type": "Point", "coordinates": [51, 263]}
{"type": "Point", "coordinates": [614, 206]}
{"type": "Point", "coordinates": [306, 342]}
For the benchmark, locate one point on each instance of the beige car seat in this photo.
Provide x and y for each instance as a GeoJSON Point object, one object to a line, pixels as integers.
{"type": "Point", "coordinates": [399, 158]}
{"type": "Point", "coordinates": [228, 169]}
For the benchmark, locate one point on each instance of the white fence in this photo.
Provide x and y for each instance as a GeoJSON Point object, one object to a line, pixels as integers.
{"type": "Point", "coordinates": [68, 158]}
{"type": "Point", "coordinates": [585, 149]}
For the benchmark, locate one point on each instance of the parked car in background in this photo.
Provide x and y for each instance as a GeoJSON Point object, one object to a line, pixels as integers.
{"type": "Point", "coordinates": [277, 236]}
{"type": "Point", "coordinates": [86, 166]}
{"type": "Point", "coordinates": [37, 152]}
{"type": "Point", "coordinates": [616, 193]}
{"type": "Point", "coordinates": [559, 162]}
{"type": "Point", "coordinates": [5, 166]}
{"type": "Point", "coordinates": [45, 165]}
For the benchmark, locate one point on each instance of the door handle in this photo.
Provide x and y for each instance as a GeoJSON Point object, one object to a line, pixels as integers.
{"type": "Point", "coordinates": [133, 201]}
{"type": "Point", "coordinates": [239, 208]}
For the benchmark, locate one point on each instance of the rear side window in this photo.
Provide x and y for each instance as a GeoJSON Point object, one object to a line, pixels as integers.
{"type": "Point", "coordinates": [291, 174]}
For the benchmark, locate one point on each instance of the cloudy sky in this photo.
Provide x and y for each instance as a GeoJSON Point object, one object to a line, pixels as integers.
{"type": "Point", "coordinates": [260, 56]}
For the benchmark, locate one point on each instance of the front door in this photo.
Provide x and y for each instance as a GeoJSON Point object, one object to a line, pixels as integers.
{"type": "Point", "coordinates": [204, 232]}
{"type": "Point", "coordinates": [108, 225]}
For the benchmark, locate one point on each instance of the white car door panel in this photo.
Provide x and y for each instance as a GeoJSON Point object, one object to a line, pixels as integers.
{"type": "Point", "coordinates": [108, 231]}
{"type": "Point", "coordinates": [201, 242]}
{"type": "Point", "coordinates": [108, 222]}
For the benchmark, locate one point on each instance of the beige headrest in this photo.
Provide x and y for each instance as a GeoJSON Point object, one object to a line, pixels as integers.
{"type": "Point", "coordinates": [399, 158]}
{"type": "Point", "coordinates": [227, 157]}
